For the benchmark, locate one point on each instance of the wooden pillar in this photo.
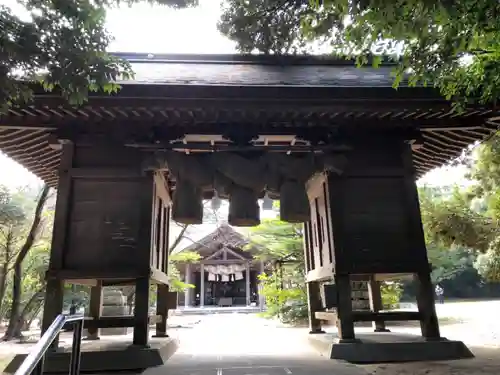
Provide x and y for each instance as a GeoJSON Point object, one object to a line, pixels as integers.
{"type": "Point", "coordinates": [345, 324]}
{"type": "Point", "coordinates": [425, 291]}
{"type": "Point", "coordinates": [95, 310]}
{"type": "Point", "coordinates": [313, 293]}
{"type": "Point", "coordinates": [376, 304]}
{"type": "Point", "coordinates": [145, 240]}
{"type": "Point", "coordinates": [426, 306]}
{"type": "Point", "coordinates": [247, 283]}
{"type": "Point", "coordinates": [53, 303]}
{"type": "Point", "coordinates": [314, 304]}
{"type": "Point", "coordinates": [141, 312]}
{"type": "Point", "coordinates": [262, 299]}
{"type": "Point", "coordinates": [162, 291]}
{"type": "Point", "coordinates": [187, 292]}
{"type": "Point", "coordinates": [202, 285]}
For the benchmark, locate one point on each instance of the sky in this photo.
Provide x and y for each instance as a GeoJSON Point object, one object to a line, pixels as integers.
{"type": "Point", "coordinates": [148, 29]}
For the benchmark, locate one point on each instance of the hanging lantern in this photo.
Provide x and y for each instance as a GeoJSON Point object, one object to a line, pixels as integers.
{"type": "Point", "coordinates": [216, 201]}
{"type": "Point", "coordinates": [267, 203]}
{"type": "Point", "coordinates": [294, 202]}
{"type": "Point", "coordinates": [244, 210]}
{"type": "Point", "coordinates": [187, 204]}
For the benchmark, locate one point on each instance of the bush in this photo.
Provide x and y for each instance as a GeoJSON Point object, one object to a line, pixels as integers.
{"type": "Point", "coordinates": [391, 294]}
{"type": "Point", "coordinates": [289, 305]}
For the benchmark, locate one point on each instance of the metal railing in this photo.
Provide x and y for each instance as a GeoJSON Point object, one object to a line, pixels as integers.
{"type": "Point", "coordinates": [33, 363]}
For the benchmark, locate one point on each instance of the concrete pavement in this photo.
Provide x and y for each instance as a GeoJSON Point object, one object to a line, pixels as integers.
{"type": "Point", "coordinates": [242, 344]}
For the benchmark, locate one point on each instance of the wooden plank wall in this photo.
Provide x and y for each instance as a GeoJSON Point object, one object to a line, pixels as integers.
{"type": "Point", "coordinates": [109, 210]}
{"type": "Point", "coordinates": [376, 228]}
{"type": "Point", "coordinates": [362, 222]}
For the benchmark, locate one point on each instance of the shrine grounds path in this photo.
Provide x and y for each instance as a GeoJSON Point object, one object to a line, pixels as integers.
{"type": "Point", "coordinates": [242, 344]}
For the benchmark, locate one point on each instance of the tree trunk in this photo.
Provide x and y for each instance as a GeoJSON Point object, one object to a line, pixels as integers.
{"type": "Point", "coordinates": [3, 285]}
{"type": "Point", "coordinates": [15, 317]}
{"type": "Point", "coordinates": [5, 270]}
{"type": "Point", "coordinates": [30, 305]}
{"type": "Point", "coordinates": [35, 313]}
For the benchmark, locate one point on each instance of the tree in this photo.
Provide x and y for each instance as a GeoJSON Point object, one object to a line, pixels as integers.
{"type": "Point", "coordinates": [279, 241]}
{"type": "Point", "coordinates": [62, 45]}
{"type": "Point", "coordinates": [14, 327]}
{"type": "Point", "coordinates": [450, 220]}
{"type": "Point", "coordinates": [265, 26]}
{"type": "Point", "coordinates": [448, 262]}
{"type": "Point", "coordinates": [281, 244]}
{"type": "Point", "coordinates": [485, 171]}
{"type": "Point", "coordinates": [452, 45]}
{"type": "Point", "coordinates": [12, 219]}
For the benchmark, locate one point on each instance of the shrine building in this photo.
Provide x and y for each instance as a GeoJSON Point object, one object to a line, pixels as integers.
{"type": "Point", "coordinates": [226, 275]}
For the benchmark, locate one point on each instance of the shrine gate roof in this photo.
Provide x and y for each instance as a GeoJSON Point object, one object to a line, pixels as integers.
{"type": "Point", "coordinates": [314, 99]}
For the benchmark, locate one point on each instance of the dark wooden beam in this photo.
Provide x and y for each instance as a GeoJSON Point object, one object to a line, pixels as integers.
{"type": "Point", "coordinates": [369, 316]}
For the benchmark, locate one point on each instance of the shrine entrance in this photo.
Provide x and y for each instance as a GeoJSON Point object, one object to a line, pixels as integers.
{"type": "Point", "coordinates": [336, 145]}
{"type": "Point", "coordinates": [226, 275]}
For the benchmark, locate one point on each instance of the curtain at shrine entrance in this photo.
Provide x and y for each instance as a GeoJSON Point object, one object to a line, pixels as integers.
{"type": "Point", "coordinates": [224, 285]}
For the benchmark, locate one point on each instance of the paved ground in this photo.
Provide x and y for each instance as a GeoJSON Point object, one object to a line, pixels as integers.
{"type": "Point", "coordinates": [476, 322]}
{"type": "Point", "coordinates": [241, 344]}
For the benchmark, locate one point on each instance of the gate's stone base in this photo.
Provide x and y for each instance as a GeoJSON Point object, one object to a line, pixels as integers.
{"type": "Point", "coordinates": [388, 347]}
{"type": "Point", "coordinates": [102, 356]}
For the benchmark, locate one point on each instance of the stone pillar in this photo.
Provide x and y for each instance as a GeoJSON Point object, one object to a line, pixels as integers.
{"type": "Point", "coordinates": [376, 304]}
{"type": "Point", "coordinates": [114, 303]}
{"type": "Point", "coordinates": [187, 280]}
{"type": "Point", "coordinates": [247, 282]}
{"type": "Point", "coordinates": [202, 285]}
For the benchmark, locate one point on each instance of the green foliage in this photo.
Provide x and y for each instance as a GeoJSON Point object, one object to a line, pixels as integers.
{"type": "Point", "coordinates": [282, 245]}
{"type": "Point", "coordinates": [185, 257]}
{"type": "Point", "coordinates": [451, 45]}
{"type": "Point", "coordinates": [488, 264]}
{"type": "Point", "coordinates": [62, 45]}
{"type": "Point", "coordinates": [288, 304]}
{"type": "Point", "coordinates": [486, 172]}
{"type": "Point", "coordinates": [391, 294]}
{"type": "Point", "coordinates": [448, 262]}
{"type": "Point", "coordinates": [20, 207]}
{"type": "Point", "coordinates": [265, 26]}
{"type": "Point", "coordinates": [451, 220]}
{"type": "Point", "coordinates": [176, 284]}
{"type": "Point", "coordinates": [278, 240]}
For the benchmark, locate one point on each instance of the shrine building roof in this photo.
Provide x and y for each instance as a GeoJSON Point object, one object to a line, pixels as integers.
{"type": "Point", "coordinates": [311, 98]}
